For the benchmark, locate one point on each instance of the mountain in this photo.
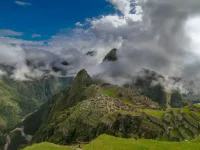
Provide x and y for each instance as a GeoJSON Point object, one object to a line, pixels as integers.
{"type": "Point", "coordinates": [86, 110]}
{"type": "Point", "coordinates": [111, 56]}
{"type": "Point", "coordinates": [20, 98]}
{"type": "Point", "coordinates": [149, 83]}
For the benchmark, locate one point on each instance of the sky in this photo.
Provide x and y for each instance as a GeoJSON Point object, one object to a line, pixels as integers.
{"type": "Point", "coordinates": [160, 35]}
{"type": "Point", "coordinates": [47, 17]}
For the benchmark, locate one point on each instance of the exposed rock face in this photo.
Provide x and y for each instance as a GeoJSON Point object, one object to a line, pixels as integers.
{"type": "Point", "coordinates": [91, 53]}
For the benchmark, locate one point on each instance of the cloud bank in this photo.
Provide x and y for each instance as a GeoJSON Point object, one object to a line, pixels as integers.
{"type": "Point", "coordinates": [161, 35]}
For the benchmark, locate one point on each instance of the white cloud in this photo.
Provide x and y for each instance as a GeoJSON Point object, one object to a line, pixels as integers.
{"type": "Point", "coordinates": [8, 32]}
{"type": "Point", "coordinates": [124, 6]}
{"type": "Point", "coordinates": [78, 24]}
{"type": "Point", "coordinates": [21, 3]}
{"type": "Point", "coordinates": [149, 34]}
{"type": "Point", "coordinates": [35, 35]}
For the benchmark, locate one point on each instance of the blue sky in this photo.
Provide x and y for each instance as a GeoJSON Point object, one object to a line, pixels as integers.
{"type": "Point", "coordinates": [47, 17]}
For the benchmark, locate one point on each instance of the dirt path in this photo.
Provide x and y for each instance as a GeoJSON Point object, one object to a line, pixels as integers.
{"type": "Point", "coordinates": [7, 142]}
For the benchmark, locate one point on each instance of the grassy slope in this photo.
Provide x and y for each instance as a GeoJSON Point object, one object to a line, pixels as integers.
{"type": "Point", "coordinates": [106, 142]}
{"type": "Point", "coordinates": [47, 146]}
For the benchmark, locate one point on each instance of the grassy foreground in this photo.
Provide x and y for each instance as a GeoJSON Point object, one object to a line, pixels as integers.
{"type": "Point", "coordinates": [106, 142]}
{"type": "Point", "coordinates": [47, 146]}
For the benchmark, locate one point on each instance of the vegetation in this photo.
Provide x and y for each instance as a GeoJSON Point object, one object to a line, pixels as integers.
{"type": "Point", "coordinates": [47, 146]}
{"type": "Point", "coordinates": [105, 142]}
{"type": "Point", "coordinates": [176, 99]}
{"type": "Point", "coordinates": [20, 98]}
{"type": "Point", "coordinates": [109, 93]}
{"type": "Point", "coordinates": [111, 56]}
{"type": "Point", "coordinates": [155, 113]}
{"type": "Point", "coordinates": [85, 110]}
{"type": "Point", "coordinates": [154, 91]}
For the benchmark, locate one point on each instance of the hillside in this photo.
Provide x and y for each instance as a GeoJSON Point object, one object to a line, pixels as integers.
{"type": "Point", "coordinates": [105, 142]}
{"type": "Point", "coordinates": [20, 98]}
{"type": "Point", "coordinates": [93, 109]}
{"type": "Point", "coordinates": [85, 110]}
{"type": "Point", "coordinates": [47, 146]}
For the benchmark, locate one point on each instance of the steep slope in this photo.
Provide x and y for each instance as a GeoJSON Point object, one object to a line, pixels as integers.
{"type": "Point", "coordinates": [105, 142]}
{"type": "Point", "coordinates": [19, 98]}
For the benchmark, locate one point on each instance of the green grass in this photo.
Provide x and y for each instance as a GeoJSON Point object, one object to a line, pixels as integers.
{"type": "Point", "coordinates": [105, 142]}
{"type": "Point", "coordinates": [163, 138]}
{"type": "Point", "coordinates": [47, 146]}
{"type": "Point", "coordinates": [197, 113]}
{"type": "Point", "coordinates": [186, 110]}
{"type": "Point", "coordinates": [155, 113]}
{"type": "Point", "coordinates": [130, 113]}
{"type": "Point", "coordinates": [109, 93]}
{"type": "Point", "coordinates": [176, 110]}
{"type": "Point", "coordinates": [197, 105]}
{"type": "Point", "coordinates": [176, 133]}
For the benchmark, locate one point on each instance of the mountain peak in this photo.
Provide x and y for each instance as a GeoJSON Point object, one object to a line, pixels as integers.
{"type": "Point", "coordinates": [83, 78]}
{"type": "Point", "coordinates": [111, 56]}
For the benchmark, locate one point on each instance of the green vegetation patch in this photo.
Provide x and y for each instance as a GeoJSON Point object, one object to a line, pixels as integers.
{"type": "Point", "coordinates": [47, 146]}
{"type": "Point", "coordinates": [130, 113]}
{"type": "Point", "coordinates": [197, 105]}
{"type": "Point", "coordinates": [109, 92]}
{"type": "Point", "coordinates": [176, 133]}
{"type": "Point", "coordinates": [105, 142]}
{"type": "Point", "coordinates": [155, 113]}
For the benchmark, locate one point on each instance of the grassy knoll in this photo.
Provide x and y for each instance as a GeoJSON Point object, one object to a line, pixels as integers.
{"type": "Point", "coordinates": [105, 142]}
{"type": "Point", "coordinates": [47, 146]}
